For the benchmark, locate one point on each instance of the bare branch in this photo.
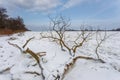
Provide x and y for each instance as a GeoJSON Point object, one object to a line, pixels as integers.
{"type": "Point", "coordinates": [15, 45]}
{"type": "Point", "coordinates": [99, 40]}
{"type": "Point", "coordinates": [30, 72]}
{"type": "Point", "coordinates": [84, 38]}
{"type": "Point", "coordinates": [28, 41]}
{"type": "Point", "coordinates": [6, 69]}
{"type": "Point", "coordinates": [70, 65]}
{"type": "Point", "coordinates": [36, 57]}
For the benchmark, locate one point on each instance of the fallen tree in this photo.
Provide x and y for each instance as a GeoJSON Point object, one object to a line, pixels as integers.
{"type": "Point", "coordinates": [36, 56]}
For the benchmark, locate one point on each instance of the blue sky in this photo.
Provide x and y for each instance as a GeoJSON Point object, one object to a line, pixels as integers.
{"type": "Point", "coordinates": [103, 13]}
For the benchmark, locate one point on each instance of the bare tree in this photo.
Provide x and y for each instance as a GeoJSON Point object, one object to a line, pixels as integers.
{"type": "Point", "coordinates": [60, 26]}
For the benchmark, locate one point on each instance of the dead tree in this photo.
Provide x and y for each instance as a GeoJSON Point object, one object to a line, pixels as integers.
{"type": "Point", "coordinates": [60, 26]}
{"type": "Point", "coordinates": [36, 56]}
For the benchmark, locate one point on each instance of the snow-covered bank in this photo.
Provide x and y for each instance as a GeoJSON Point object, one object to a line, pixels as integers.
{"type": "Point", "coordinates": [15, 65]}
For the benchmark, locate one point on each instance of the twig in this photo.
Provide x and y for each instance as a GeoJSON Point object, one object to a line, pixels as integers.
{"type": "Point", "coordinates": [5, 70]}
{"type": "Point", "coordinates": [29, 72]}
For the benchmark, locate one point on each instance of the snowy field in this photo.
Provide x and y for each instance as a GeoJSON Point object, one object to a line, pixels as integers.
{"type": "Point", "coordinates": [15, 65]}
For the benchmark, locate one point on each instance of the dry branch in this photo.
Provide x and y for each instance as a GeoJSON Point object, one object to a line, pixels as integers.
{"type": "Point", "coordinates": [36, 57]}
{"type": "Point", "coordinates": [40, 54]}
{"type": "Point", "coordinates": [99, 40]}
{"type": "Point", "coordinates": [84, 36]}
{"type": "Point", "coordinates": [6, 69]}
{"type": "Point", "coordinates": [70, 65]}
{"type": "Point", "coordinates": [30, 72]}
{"type": "Point", "coordinates": [15, 45]}
{"type": "Point", "coordinates": [28, 41]}
{"type": "Point", "coordinates": [56, 77]}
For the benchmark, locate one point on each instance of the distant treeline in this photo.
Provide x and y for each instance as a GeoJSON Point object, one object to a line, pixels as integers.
{"type": "Point", "coordinates": [117, 29]}
{"type": "Point", "coordinates": [9, 23]}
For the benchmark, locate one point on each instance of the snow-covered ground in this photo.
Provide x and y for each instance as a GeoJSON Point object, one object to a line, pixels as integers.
{"type": "Point", "coordinates": [15, 65]}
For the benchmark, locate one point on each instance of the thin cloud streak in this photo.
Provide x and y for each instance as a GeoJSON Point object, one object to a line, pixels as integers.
{"type": "Point", "coordinates": [72, 3]}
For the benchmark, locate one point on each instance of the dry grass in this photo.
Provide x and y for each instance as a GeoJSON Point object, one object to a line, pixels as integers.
{"type": "Point", "coordinates": [9, 31]}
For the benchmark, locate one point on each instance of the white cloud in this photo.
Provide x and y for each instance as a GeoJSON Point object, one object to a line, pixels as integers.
{"type": "Point", "coordinates": [44, 5]}
{"type": "Point", "coordinates": [33, 5]}
{"type": "Point", "coordinates": [1, 1]}
{"type": "Point", "coordinates": [72, 3]}
{"type": "Point", "coordinates": [41, 5]}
